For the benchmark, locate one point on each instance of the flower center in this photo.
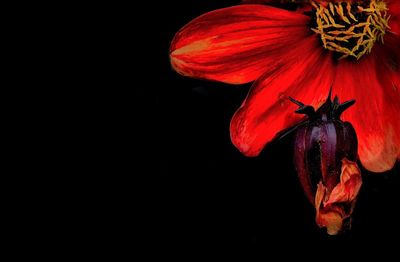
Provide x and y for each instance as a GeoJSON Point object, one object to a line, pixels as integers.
{"type": "Point", "coordinates": [351, 29]}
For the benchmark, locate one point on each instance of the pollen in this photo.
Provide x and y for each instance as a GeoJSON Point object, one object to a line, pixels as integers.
{"type": "Point", "coordinates": [350, 29]}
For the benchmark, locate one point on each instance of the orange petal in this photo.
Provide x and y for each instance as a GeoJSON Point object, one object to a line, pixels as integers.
{"type": "Point", "coordinates": [307, 77]}
{"type": "Point", "coordinates": [332, 208]}
{"type": "Point", "coordinates": [236, 44]}
{"type": "Point", "coordinates": [330, 219]}
{"type": "Point", "coordinates": [349, 186]}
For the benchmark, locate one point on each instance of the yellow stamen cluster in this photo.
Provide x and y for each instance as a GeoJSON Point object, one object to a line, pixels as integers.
{"type": "Point", "coordinates": [342, 32]}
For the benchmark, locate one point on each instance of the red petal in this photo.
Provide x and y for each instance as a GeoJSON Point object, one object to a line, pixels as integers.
{"type": "Point", "coordinates": [266, 2]}
{"type": "Point", "coordinates": [394, 11]}
{"type": "Point", "coordinates": [388, 71]}
{"type": "Point", "coordinates": [236, 44]}
{"type": "Point", "coordinates": [267, 110]}
{"type": "Point", "coordinates": [375, 115]}
{"type": "Point", "coordinates": [288, 1]}
{"type": "Point", "coordinates": [300, 6]}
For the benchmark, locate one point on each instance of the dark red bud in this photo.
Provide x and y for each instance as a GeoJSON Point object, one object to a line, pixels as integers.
{"type": "Point", "coordinates": [322, 143]}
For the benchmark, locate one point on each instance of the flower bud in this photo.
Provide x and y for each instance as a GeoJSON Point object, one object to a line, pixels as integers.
{"type": "Point", "coordinates": [325, 159]}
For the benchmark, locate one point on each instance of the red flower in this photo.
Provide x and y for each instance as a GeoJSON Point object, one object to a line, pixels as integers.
{"type": "Point", "coordinates": [352, 46]}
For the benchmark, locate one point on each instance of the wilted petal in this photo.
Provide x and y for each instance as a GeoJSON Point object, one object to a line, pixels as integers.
{"type": "Point", "coordinates": [349, 186]}
{"type": "Point", "coordinates": [332, 208]}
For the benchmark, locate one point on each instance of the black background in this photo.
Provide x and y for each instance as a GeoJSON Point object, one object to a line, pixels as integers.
{"type": "Point", "coordinates": [208, 195]}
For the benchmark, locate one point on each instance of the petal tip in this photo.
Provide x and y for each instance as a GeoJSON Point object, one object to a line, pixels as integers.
{"type": "Point", "coordinates": [177, 64]}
